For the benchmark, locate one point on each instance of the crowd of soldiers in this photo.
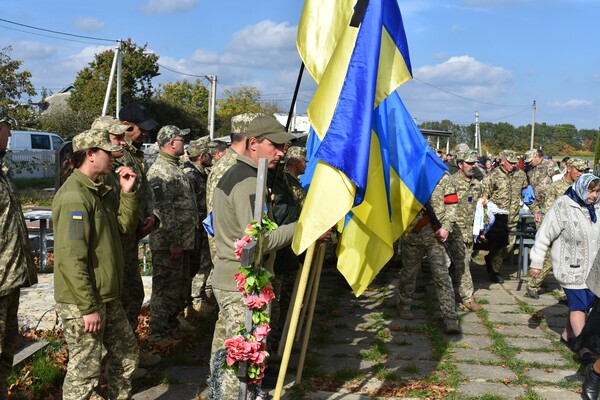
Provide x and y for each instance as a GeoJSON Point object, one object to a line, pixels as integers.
{"type": "Point", "coordinates": [192, 204]}
{"type": "Point", "coordinates": [444, 230]}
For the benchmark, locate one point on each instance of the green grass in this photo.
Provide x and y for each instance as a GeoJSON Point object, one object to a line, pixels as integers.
{"type": "Point", "coordinates": [36, 378]}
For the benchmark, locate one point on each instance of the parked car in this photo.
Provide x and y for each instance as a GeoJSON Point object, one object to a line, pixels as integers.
{"type": "Point", "coordinates": [34, 141]}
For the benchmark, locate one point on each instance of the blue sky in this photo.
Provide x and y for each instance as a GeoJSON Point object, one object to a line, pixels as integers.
{"type": "Point", "coordinates": [490, 56]}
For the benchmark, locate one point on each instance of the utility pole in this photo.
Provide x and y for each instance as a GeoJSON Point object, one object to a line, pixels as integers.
{"type": "Point", "coordinates": [212, 102]}
{"type": "Point", "coordinates": [116, 68]}
{"type": "Point", "coordinates": [477, 135]}
{"type": "Point", "coordinates": [532, 126]}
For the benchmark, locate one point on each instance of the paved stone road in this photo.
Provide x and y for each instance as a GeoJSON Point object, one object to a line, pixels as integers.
{"type": "Point", "coordinates": [509, 350]}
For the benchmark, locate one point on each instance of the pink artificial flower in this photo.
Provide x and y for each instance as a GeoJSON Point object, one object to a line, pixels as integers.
{"type": "Point", "coordinates": [259, 357]}
{"type": "Point", "coordinates": [261, 332]}
{"type": "Point", "coordinates": [240, 244]}
{"type": "Point", "coordinates": [239, 349]}
{"type": "Point", "coordinates": [255, 302]}
{"type": "Point", "coordinates": [240, 280]}
{"type": "Point", "coordinates": [267, 294]}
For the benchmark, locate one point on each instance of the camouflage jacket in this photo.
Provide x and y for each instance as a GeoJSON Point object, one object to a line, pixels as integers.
{"type": "Point", "coordinates": [134, 159]}
{"type": "Point", "coordinates": [218, 169]}
{"type": "Point", "coordinates": [198, 175]}
{"type": "Point", "coordinates": [174, 205]}
{"type": "Point", "coordinates": [16, 260]}
{"type": "Point", "coordinates": [555, 190]}
{"type": "Point", "coordinates": [468, 191]}
{"type": "Point", "coordinates": [444, 203]}
{"type": "Point", "coordinates": [504, 189]}
{"type": "Point", "coordinates": [540, 177]}
{"type": "Point", "coordinates": [297, 190]}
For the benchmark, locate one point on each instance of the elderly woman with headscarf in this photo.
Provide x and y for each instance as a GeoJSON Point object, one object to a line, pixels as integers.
{"type": "Point", "coordinates": [571, 228]}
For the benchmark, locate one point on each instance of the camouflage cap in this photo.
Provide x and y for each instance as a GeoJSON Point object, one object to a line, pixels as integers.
{"type": "Point", "coordinates": [577, 163]}
{"type": "Point", "coordinates": [530, 155]}
{"type": "Point", "coordinates": [4, 117]}
{"type": "Point", "coordinates": [297, 152]}
{"type": "Point", "coordinates": [110, 124]}
{"type": "Point", "coordinates": [462, 148]}
{"type": "Point", "coordinates": [93, 138]}
{"type": "Point", "coordinates": [509, 155]}
{"type": "Point", "coordinates": [198, 147]}
{"type": "Point", "coordinates": [269, 128]}
{"type": "Point", "coordinates": [240, 122]}
{"type": "Point", "coordinates": [168, 133]}
{"type": "Point", "coordinates": [467, 156]}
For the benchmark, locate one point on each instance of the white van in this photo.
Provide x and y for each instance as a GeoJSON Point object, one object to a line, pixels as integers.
{"type": "Point", "coordinates": [34, 141]}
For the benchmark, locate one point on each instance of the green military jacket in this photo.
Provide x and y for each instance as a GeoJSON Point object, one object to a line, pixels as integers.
{"type": "Point", "coordinates": [16, 261]}
{"type": "Point", "coordinates": [88, 256]}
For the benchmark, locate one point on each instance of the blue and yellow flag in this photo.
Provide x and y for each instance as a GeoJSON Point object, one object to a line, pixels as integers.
{"type": "Point", "coordinates": [371, 168]}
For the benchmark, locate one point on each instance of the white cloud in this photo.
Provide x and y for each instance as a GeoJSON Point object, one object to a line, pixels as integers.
{"type": "Point", "coordinates": [29, 50]}
{"type": "Point", "coordinates": [571, 104]}
{"type": "Point", "coordinates": [457, 28]}
{"type": "Point", "coordinates": [158, 7]}
{"type": "Point", "coordinates": [464, 76]}
{"type": "Point", "coordinates": [89, 24]}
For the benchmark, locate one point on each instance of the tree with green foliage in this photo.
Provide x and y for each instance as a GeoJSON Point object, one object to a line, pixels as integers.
{"type": "Point", "coordinates": [138, 69]}
{"type": "Point", "coordinates": [184, 104]}
{"type": "Point", "coordinates": [239, 100]}
{"type": "Point", "coordinates": [15, 85]}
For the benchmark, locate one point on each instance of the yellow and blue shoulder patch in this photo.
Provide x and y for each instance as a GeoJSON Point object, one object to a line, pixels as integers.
{"type": "Point", "coordinates": [77, 215]}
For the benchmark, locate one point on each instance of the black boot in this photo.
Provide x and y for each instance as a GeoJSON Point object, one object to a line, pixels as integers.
{"type": "Point", "coordinates": [591, 384]}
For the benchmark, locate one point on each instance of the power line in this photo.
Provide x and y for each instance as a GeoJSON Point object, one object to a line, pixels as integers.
{"type": "Point", "coordinates": [58, 32]}
{"type": "Point", "coordinates": [48, 36]}
{"type": "Point", "coordinates": [466, 98]}
{"type": "Point", "coordinates": [202, 77]}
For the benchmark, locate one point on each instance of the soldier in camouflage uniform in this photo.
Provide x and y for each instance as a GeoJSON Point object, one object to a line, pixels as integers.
{"type": "Point", "coordinates": [421, 239]}
{"type": "Point", "coordinates": [197, 169]}
{"type": "Point", "coordinates": [16, 262]}
{"type": "Point", "coordinates": [295, 165]}
{"type": "Point", "coordinates": [504, 186]}
{"type": "Point", "coordinates": [460, 240]}
{"type": "Point", "coordinates": [539, 175]}
{"type": "Point", "coordinates": [575, 167]}
{"type": "Point", "coordinates": [88, 269]}
{"type": "Point", "coordinates": [233, 210]}
{"type": "Point", "coordinates": [172, 241]}
{"type": "Point", "coordinates": [136, 116]}
{"type": "Point", "coordinates": [239, 123]}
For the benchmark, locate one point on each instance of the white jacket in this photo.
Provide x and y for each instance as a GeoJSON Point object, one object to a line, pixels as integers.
{"type": "Point", "coordinates": [568, 228]}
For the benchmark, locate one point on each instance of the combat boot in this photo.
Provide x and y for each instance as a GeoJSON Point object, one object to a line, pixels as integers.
{"type": "Point", "coordinates": [452, 327]}
{"type": "Point", "coordinates": [404, 313]}
{"type": "Point", "coordinates": [470, 305]}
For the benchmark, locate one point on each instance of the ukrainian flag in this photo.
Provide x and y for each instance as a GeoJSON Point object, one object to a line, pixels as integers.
{"type": "Point", "coordinates": [370, 168]}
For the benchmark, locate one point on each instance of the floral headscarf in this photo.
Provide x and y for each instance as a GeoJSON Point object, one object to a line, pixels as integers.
{"type": "Point", "coordinates": [578, 192]}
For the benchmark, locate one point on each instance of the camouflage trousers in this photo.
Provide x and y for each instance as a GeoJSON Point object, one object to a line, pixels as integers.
{"type": "Point", "coordinates": [497, 256]}
{"type": "Point", "coordinates": [85, 352]}
{"type": "Point", "coordinates": [9, 335]}
{"type": "Point", "coordinates": [534, 284]}
{"type": "Point", "coordinates": [414, 247]}
{"type": "Point", "coordinates": [170, 291]}
{"type": "Point", "coordinates": [201, 272]}
{"type": "Point", "coordinates": [461, 278]}
{"type": "Point", "coordinates": [132, 294]}
{"type": "Point", "coordinates": [232, 314]}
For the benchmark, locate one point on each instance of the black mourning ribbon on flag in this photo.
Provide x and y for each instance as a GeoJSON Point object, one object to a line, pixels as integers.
{"type": "Point", "coordinates": [359, 12]}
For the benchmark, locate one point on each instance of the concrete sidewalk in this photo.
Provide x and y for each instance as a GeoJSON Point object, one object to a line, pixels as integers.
{"type": "Point", "coordinates": [360, 349]}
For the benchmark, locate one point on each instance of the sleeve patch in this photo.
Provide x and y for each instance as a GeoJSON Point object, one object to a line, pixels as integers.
{"type": "Point", "coordinates": [77, 215]}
